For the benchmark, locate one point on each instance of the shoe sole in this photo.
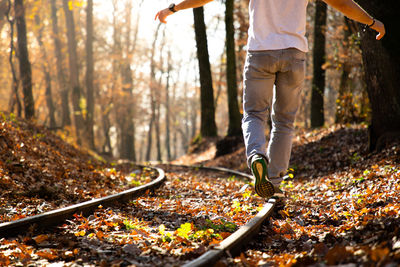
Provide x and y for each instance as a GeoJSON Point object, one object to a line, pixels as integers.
{"type": "Point", "coordinates": [263, 187]}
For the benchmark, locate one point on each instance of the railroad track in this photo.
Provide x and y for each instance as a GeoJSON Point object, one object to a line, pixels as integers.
{"type": "Point", "coordinates": [229, 246]}
{"type": "Point", "coordinates": [59, 215]}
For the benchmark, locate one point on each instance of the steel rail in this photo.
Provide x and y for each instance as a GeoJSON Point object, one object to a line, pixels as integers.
{"type": "Point", "coordinates": [232, 244]}
{"type": "Point", "coordinates": [57, 216]}
{"type": "Point", "coordinates": [229, 246]}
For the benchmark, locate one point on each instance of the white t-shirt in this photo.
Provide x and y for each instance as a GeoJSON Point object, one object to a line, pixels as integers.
{"type": "Point", "coordinates": [277, 24]}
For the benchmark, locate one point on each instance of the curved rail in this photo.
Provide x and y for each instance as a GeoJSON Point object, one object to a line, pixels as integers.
{"type": "Point", "coordinates": [229, 246]}
{"type": "Point", "coordinates": [57, 216]}
{"type": "Point", "coordinates": [232, 244]}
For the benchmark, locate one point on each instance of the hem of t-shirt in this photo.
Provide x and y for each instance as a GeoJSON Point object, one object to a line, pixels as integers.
{"type": "Point", "coordinates": [274, 48]}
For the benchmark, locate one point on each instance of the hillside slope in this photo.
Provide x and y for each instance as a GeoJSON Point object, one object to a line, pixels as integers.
{"type": "Point", "coordinates": [39, 171]}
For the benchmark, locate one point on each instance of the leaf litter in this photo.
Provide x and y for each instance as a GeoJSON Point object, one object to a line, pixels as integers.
{"type": "Point", "coordinates": [178, 222]}
{"type": "Point", "coordinates": [40, 172]}
{"type": "Point", "coordinates": [192, 212]}
{"type": "Point", "coordinates": [342, 207]}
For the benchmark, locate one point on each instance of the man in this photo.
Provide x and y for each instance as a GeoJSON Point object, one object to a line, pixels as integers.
{"type": "Point", "coordinates": [276, 56]}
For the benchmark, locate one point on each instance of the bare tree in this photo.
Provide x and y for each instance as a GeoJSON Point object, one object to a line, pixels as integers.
{"type": "Point", "coordinates": [89, 74]}
{"type": "Point", "coordinates": [318, 84]}
{"type": "Point", "coordinates": [208, 126]}
{"type": "Point", "coordinates": [167, 109]}
{"type": "Point", "coordinates": [24, 63]}
{"type": "Point", "coordinates": [74, 73]}
{"type": "Point", "coordinates": [65, 111]}
{"type": "Point", "coordinates": [157, 94]}
{"type": "Point", "coordinates": [234, 127]}
{"type": "Point", "coordinates": [14, 99]}
{"type": "Point", "coordinates": [152, 94]}
{"type": "Point", "coordinates": [382, 73]}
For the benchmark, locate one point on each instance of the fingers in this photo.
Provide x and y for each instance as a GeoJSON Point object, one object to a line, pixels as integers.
{"type": "Point", "coordinates": [380, 28]}
{"type": "Point", "coordinates": [161, 16]}
{"type": "Point", "coordinates": [380, 35]}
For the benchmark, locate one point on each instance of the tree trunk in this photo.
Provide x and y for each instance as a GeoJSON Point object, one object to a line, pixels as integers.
{"type": "Point", "coordinates": [167, 110]}
{"type": "Point", "coordinates": [174, 117]}
{"type": "Point", "coordinates": [150, 132]}
{"type": "Point", "coordinates": [127, 125]}
{"type": "Point", "coordinates": [158, 100]}
{"type": "Point", "coordinates": [49, 97]}
{"type": "Point", "coordinates": [208, 126]}
{"type": "Point", "coordinates": [192, 109]}
{"type": "Point", "coordinates": [106, 149]}
{"type": "Point", "coordinates": [152, 95]}
{"type": "Point", "coordinates": [24, 64]}
{"type": "Point", "coordinates": [89, 75]}
{"type": "Point", "coordinates": [14, 99]}
{"type": "Point", "coordinates": [127, 149]}
{"type": "Point", "coordinates": [222, 74]}
{"type": "Point", "coordinates": [157, 130]}
{"type": "Point", "coordinates": [65, 113]}
{"type": "Point", "coordinates": [74, 73]}
{"type": "Point", "coordinates": [318, 83]}
{"type": "Point", "coordinates": [382, 67]}
{"type": "Point", "coordinates": [234, 128]}
{"type": "Point", "coordinates": [193, 119]}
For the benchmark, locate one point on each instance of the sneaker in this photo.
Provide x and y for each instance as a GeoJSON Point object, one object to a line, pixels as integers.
{"type": "Point", "coordinates": [264, 188]}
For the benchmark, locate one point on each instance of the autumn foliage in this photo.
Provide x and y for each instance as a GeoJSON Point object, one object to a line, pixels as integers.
{"type": "Point", "coordinates": [340, 206]}
{"type": "Point", "coordinates": [39, 171]}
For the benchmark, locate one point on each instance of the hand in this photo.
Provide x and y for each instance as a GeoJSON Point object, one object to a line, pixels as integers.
{"type": "Point", "coordinates": [163, 14]}
{"type": "Point", "coordinates": [380, 28]}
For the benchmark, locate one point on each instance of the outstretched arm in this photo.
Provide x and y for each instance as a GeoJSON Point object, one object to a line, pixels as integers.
{"type": "Point", "coordinates": [353, 11]}
{"type": "Point", "coordinates": [163, 14]}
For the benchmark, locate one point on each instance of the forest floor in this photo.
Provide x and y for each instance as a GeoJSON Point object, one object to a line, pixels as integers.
{"type": "Point", "coordinates": [341, 206]}
{"type": "Point", "coordinates": [39, 171]}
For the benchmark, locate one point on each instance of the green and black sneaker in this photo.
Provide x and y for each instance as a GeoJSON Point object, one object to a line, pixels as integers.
{"type": "Point", "coordinates": [263, 186]}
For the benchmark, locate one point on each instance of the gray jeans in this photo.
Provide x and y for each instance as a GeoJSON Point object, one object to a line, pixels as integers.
{"type": "Point", "coordinates": [263, 69]}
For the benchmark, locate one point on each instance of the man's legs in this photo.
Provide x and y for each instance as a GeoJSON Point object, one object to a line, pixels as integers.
{"type": "Point", "coordinates": [289, 83]}
{"type": "Point", "coordinates": [258, 80]}
{"type": "Point", "coordinates": [286, 69]}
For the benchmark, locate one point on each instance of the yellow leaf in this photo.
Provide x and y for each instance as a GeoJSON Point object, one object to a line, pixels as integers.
{"type": "Point", "coordinates": [80, 233]}
{"type": "Point", "coordinates": [161, 229]}
{"type": "Point", "coordinates": [78, 3]}
{"type": "Point", "coordinates": [184, 230]}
